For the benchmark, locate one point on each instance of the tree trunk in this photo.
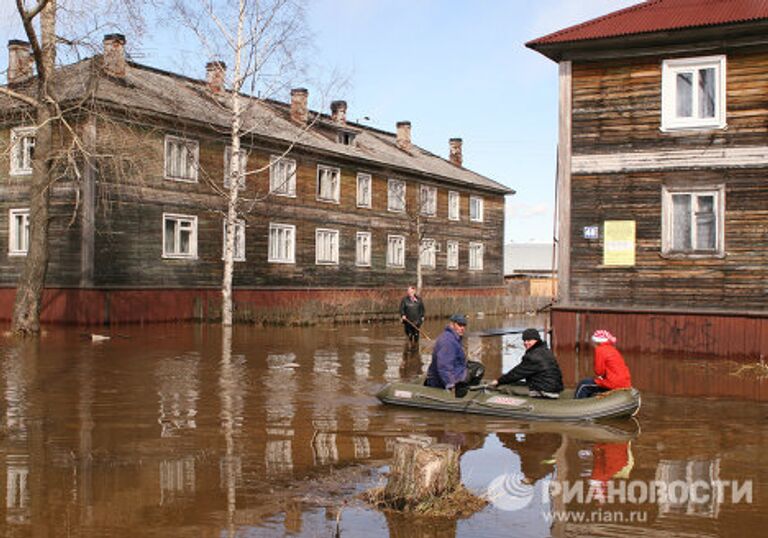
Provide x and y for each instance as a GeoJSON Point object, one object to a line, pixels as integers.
{"type": "Point", "coordinates": [29, 291]}
{"type": "Point", "coordinates": [236, 174]}
{"type": "Point", "coordinates": [421, 471]}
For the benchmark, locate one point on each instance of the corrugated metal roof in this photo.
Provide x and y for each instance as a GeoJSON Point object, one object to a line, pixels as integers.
{"type": "Point", "coordinates": [660, 15]}
{"type": "Point", "coordinates": [151, 90]}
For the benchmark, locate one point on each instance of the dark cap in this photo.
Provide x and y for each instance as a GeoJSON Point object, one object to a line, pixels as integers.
{"type": "Point", "coordinates": [531, 334]}
{"type": "Point", "coordinates": [459, 319]}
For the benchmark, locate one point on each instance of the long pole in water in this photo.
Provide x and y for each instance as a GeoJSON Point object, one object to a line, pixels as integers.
{"type": "Point", "coordinates": [424, 334]}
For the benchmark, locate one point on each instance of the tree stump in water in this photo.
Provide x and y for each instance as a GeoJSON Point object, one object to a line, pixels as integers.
{"type": "Point", "coordinates": [421, 472]}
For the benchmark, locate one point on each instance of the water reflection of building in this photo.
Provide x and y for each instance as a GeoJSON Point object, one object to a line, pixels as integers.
{"type": "Point", "coordinates": [280, 390]}
{"type": "Point", "coordinates": [17, 489]}
{"type": "Point", "coordinates": [393, 360]}
{"type": "Point", "coordinates": [326, 369]}
{"type": "Point", "coordinates": [684, 474]}
{"type": "Point", "coordinates": [178, 391]}
{"type": "Point", "coordinates": [15, 398]}
{"type": "Point", "coordinates": [177, 479]}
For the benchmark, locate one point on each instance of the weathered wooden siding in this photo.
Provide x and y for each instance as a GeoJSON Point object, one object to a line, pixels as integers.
{"type": "Point", "coordinates": [621, 161]}
{"type": "Point", "coordinates": [132, 194]}
{"type": "Point", "coordinates": [271, 305]}
{"type": "Point", "coordinates": [703, 334]}
{"type": "Point", "coordinates": [617, 106]}
{"type": "Point", "coordinates": [136, 212]}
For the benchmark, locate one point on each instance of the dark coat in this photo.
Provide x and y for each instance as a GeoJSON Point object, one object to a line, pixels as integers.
{"type": "Point", "coordinates": [449, 364]}
{"type": "Point", "coordinates": [539, 368]}
{"type": "Point", "coordinates": [412, 309]}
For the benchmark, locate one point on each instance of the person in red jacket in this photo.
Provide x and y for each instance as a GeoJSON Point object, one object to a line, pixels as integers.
{"type": "Point", "coordinates": [611, 371]}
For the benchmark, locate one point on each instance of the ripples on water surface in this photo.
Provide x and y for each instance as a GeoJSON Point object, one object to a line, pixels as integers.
{"type": "Point", "coordinates": [165, 431]}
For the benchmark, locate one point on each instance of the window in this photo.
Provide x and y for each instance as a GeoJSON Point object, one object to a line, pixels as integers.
{"type": "Point", "coordinates": [239, 253]}
{"type": "Point", "coordinates": [428, 252]}
{"type": "Point", "coordinates": [453, 205]}
{"type": "Point", "coordinates": [396, 195]}
{"type": "Point", "coordinates": [179, 236]}
{"type": "Point", "coordinates": [282, 243]}
{"type": "Point", "coordinates": [282, 176]}
{"type": "Point", "coordinates": [475, 209]}
{"type": "Point", "coordinates": [181, 159]}
{"type": "Point", "coordinates": [346, 137]}
{"type": "Point", "coordinates": [364, 182]}
{"type": "Point", "coordinates": [428, 200]}
{"type": "Point", "coordinates": [22, 150]}
{"type": "Point", "coordinates": [475, 256]}
{"type": "Point", "coordinates": [328, 183]}
{"type": "Point", "coordinates": [692, 221]}
{"type": "Point", "coordinates": [395, 251]}
{"type": "Point", "coordinates": [243, 166]}
{"type": "Point", "coordinates": [363, 249]}
{"type": "Point", "coordinates": [326, 247]}
{"type": "Point", "coordinates": [693, 93]}
{"type": "Point", "coordinates": [452, 254]}
{"type": "Point", "coordinates": [18, 233]}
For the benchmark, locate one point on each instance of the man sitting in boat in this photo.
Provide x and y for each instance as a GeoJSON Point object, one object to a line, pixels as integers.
{"type": "Point", "coordinates": [611, 371]}
{"type": "Point", "coordinates": [538, 368]}
{"type": "Point", "coordinates": [449, 368]}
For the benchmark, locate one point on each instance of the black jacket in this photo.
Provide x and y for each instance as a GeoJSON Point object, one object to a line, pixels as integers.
{"type": "Point", "coordinates": [412, 309]}
{"type": "Point", "coordinates": [539, 369]}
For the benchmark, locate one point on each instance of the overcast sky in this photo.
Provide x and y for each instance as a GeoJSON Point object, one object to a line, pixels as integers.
{"type": "Point", "coordinates": [452, 68]}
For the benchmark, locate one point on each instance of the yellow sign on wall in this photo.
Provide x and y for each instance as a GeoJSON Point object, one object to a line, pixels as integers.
{"type": "Point", "coordinates": [619, 242]}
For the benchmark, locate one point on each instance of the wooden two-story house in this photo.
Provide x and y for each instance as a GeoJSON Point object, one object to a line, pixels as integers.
{"type": "Point", "coordinates": [329, 208]}
{"type": "Point", "coordinates": [663, 177]}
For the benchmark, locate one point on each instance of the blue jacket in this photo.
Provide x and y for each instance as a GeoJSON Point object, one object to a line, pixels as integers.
{"type": "Point", "coordinates": [449, 364]}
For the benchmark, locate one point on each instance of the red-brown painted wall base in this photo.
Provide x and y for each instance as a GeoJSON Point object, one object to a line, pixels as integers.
{"type": "Point", "coordinates": [701, 333]}
{"type": "Point", "coordinates": [81, 306]}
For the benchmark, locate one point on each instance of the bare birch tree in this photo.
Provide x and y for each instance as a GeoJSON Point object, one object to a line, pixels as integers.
{"type": "Point", "coordinates": [259, 39]}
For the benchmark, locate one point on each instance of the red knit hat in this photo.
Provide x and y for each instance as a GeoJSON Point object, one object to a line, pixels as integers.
{"type": "Point", "coordinates": [601, 336]}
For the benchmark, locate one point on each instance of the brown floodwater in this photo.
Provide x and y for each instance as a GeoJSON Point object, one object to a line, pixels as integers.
{"type": "Point", "coordinates": [178, 430]}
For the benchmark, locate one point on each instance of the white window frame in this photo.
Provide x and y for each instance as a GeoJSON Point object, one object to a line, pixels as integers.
{"type": "Point", "coordinates": [395, 251]}
{"type": "Point", "coordinates": [428, 200]}
{"type": "Point", "coordinates": [239, 254]}
{"type": "Point", "coordinates": [452, 255]}
{"type": "Point", "coordinates": [326, 246]}
{"type": "Point", "coordinates": [396, 200]}
{"type": "Point", "coordinates": [670, 121]}
{"type": "Point", "coordinates": [363, 248]}
{"type": "Point", "coordinates": [18, 217]}
{"type": "Point", "coordinates": [476, 251]}
{"type": "Point", "coordinates": [22, 150]}
{"type": "Point", "coordinates": [476, 209]}
{"type": "Point", "coordinates": [282, 176]}
{"type": "Point", "coordinates": [243, 166]}
{"type": "Point", "coordinates": [667, 219]}
{"type": "Point", "coordinates": [181, 221]}
{"type": "Point", "coordinates": [364, 196]}
{"type": "Point", "coordinates": [324, 174]}
{"type": "Point", "coordinates": [454, 201]}
{"type": "Point", "coordinates": [428, 253]}
{"type": "Point", "coordinates": [282, 233]}
{"type": "Point", "coordinates": [174, 144]}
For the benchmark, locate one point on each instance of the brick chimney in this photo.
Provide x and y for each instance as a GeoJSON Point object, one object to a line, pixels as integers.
{"type": "Point", "coordinates": [114, 55]}
{"type": "Point", "coordinates": [454, 152]}
{"type": "Point", "coordinates": [299, 110]}
{"type": "Point", "coordinates": [404, 135]}
{"type": "Point", "coordinates": [339, 112]}
{"type": "Point", "coordinates": [19, 61]}
{"type": "Point", "coordinates": [215, 73]}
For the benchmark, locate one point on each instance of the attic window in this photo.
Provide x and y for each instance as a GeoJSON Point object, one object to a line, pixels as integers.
{"type": "Point", "coordinates": [346, 137]}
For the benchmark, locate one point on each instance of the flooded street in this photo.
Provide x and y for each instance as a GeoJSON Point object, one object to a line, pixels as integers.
{"type": "Point", "coordinates": [170, 431]}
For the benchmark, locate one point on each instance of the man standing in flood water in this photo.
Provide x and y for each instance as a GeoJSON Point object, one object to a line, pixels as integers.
{"type": "Point", "coordinates": [412, 314]}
